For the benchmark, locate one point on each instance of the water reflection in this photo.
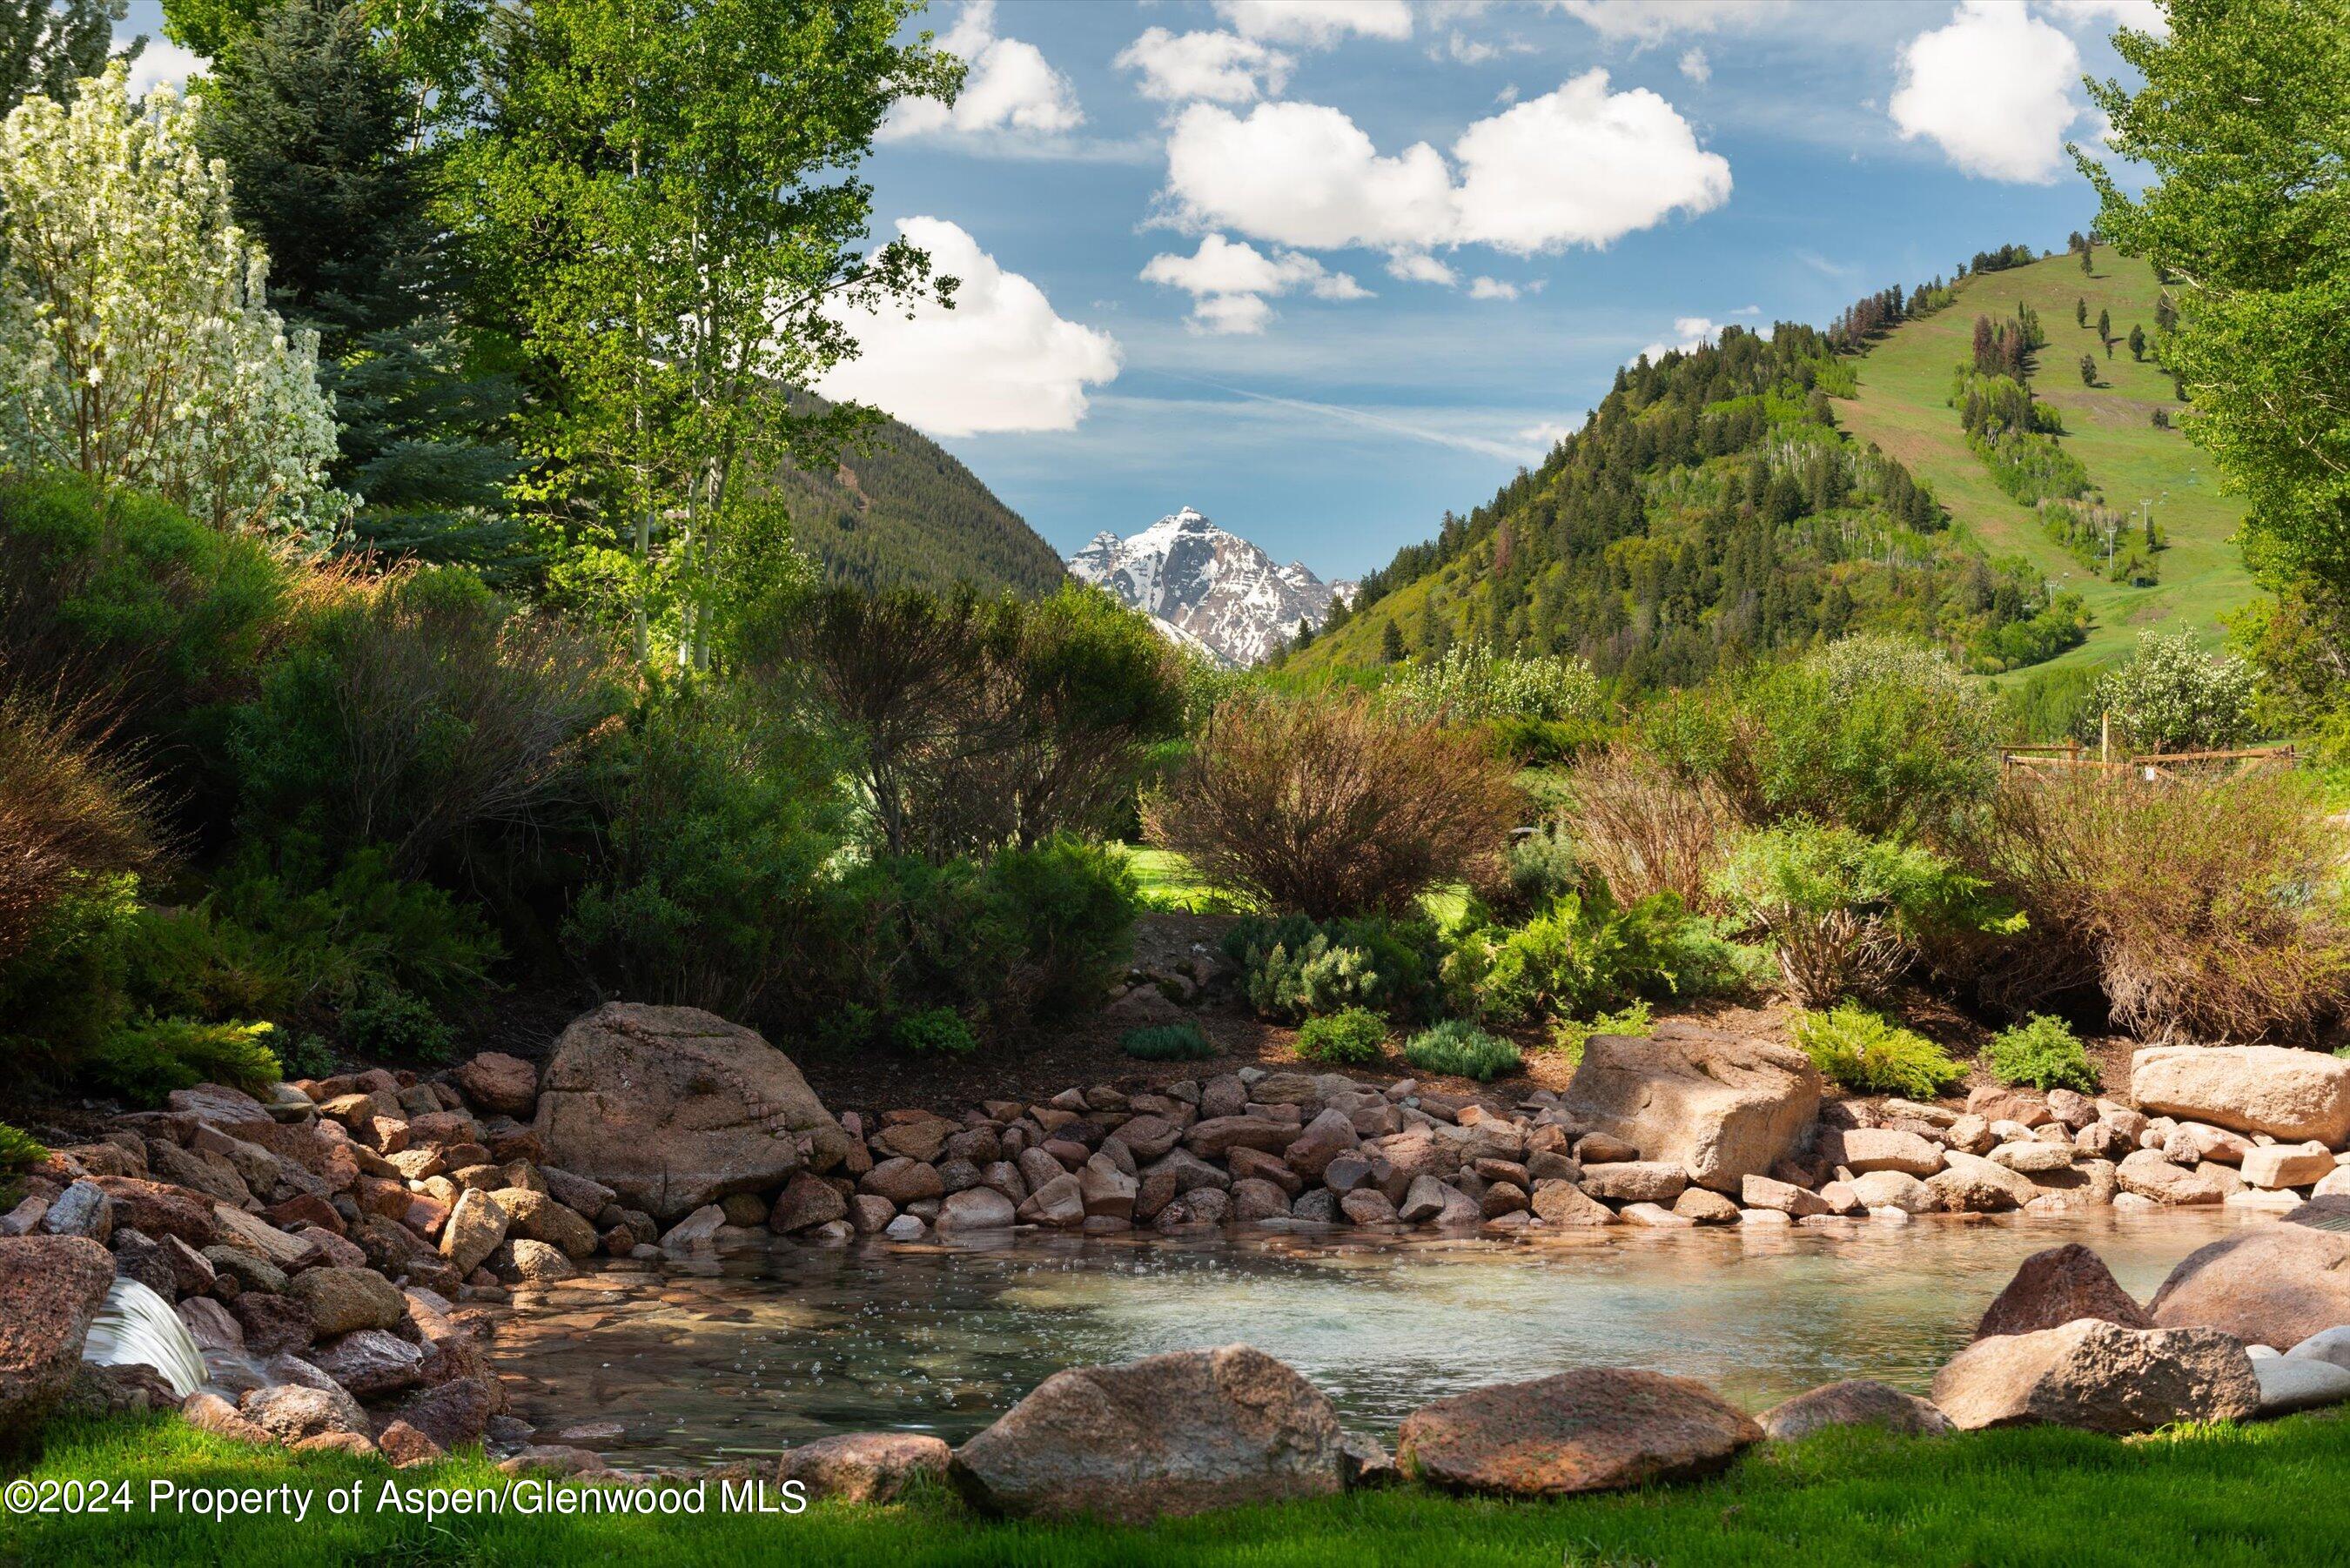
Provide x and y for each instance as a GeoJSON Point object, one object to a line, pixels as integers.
{"type": "Point", "coordinates": [751, 1354]}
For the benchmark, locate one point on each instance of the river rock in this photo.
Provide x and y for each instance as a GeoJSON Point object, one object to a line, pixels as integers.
{"type": "Point", "coordinates": [1856, 1402]}
{"type": "Point", "coordinates": [344, 1299]}
{"type": "Point", "coordinates": [2056, 1287]}
{"type": "Point", "coordinates": [865, 1466]}
{"type": "Point", "coordinates": [289, 1412]}
{"type": "Point", "coordinates": [1636, 1182]}
{"type": "Point", "coordinates": [472, 1231]}
{"type": "Point", "coordinates": [807, 1200]}
{"type": "Point", "coordinates": [1865, 1149]}
{"type": "Point", "coordinates": [1719, 1106]}
{"type": "Point", "coordinates": [2099, 1377]}
{"type": "Point", "coordinates": [1970, 1184]}
{"type": "Point", "coordinates": [1179, 1433]}
{"type": "Point", "coordinates": [2149, 1174]}
{"type": "Point", "coordinates": [2289, 1384]}
{"type": "Point", "coordinates": [2274, 1284]}
{"type": "Point", "coordinates": [2033, 1157]}
{"type": "Point", "coordinates": [1893, 1189]}
{"type": "Point", "coordinates": [675, 1108]}
{"type": "Point", "coordinates": [974, 1209]}
{"type": "Point", "coordinates": [1783, 1196]}
{"type": "Point", "coordinates": [2288, 1094]}
{"type": "Point", "coordinates": [496, 1082]}
{"type": "Point", "coordinates": [2331, 1344]}
{"type": "Point", "coordinates": [51, 1288]}
{"type": "Point", "coordinates": [370, 1362]}
{"type": "Point", "coordinates": [1221, 1135]}
{"type": "Point", "coordinates": [1562, 1203]}
{"type": "Point", "coordinates": [1592, 1429]}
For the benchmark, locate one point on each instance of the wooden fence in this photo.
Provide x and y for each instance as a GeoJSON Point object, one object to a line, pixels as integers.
{"type": "Point", "coordinates": [2149, 766]}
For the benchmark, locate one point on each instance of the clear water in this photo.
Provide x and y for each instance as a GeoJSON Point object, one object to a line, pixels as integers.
{"type": "Point", "coordinates": [750, 1355]}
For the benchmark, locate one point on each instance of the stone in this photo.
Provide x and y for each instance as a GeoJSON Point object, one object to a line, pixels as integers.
{"type": "Point", "coordinates": [903, 1180]}
{"type": "Point", "coordinates": [82, 1209]}
{"type": "Point", "coordinates": [1220, 1135]}
{"type": "Point", "coordinates": [1562, 1203]}
{"type": "Point", "coordinates": [1705, 1208]}
{"type": "Point", "coordinates": [2286, 1092]}
{"type": "Point", "coordinates": [1636, 1182]}
{"type": "Point", "coordinates": [290, 1412]}
{"type": "Point", "coordinates": [2019, 1106]}
{"type": "Point", "coordinates": [922, 1139]}
{"type": "Point", "coordinates": [1719, 1107]}
{"type": "Point", "coordinates": [1254, 1199]}
{"type": "Point", "coordinates": [1325, 1137]}
{"type": "Point", "coordinates": [1863, 1149]}
{"type": "Point", "coordinates": [1856, 1402]}
{"type": "Point", "coordinates": [1059, 1203]}
{"type": "Point", "coordinates": [1179, 1433]}
{"type": "Point", "coordinates": [865, 1466]}
{"type": "Point", "coordinates": [697, 1231]}
{"type": "Point", "coordinates": [2328, 1344]}
{"type": "Point", "coordinates": [2288, 1384]}
{"type": "Point", "coordinates": [405, 1446]}
{"type": "Point", "coordinates": [1592, 1429]}
{"type": "Point", "coordinates": [159, 1209]}
{"type": "Point", "coordinates": [2149, 1174]}
{"type": "Point", "coordinates": [2033, 1157]}
{"type": "Point", "coordinates": [453, 1413]}
{"type": "Point", "coordinates": [2056, 1287]}
{"type": "Point", "coordinates": [541, 1219]}
{"type": "Point", "coordinates": [1970, 1184]}
{"type": "Point", "coordinates": [498, 1083]}
{"type": "Point", "coordinates": [343, 1300]}
{"type": "Point", "coordinates": [1785, 1197]}
{"type": "Point", "coordinates": [208, 1412]}
{"type": "Point", "coordinates": [2274, 1285]}
{"type": "Point", "coordinates": [371, 1362]}
{"type": "Point", "coordinates": [1651, 1214]}
{"type": "Point", "coordinates": [1107, 1190]}
{"type": "Point", "coordinates": [51, 1288]}
{"type": "Point", "coordinates": [2099, 1377]}
{"type": "Point", "coordinates": [2276, 1166]}
{"type": "Point", "coordinates": [1603, 1149]}
{"type": "Point", "coordinates": [1765, 1219]}
{"type": "Point", "coordinates": [474, 1228]}
{"type": "Point", "coordinates": [272, 1325]}
{"type": "Point", "coordinates": [1893, 1189]}
{"type": "Point", "coordinates": [1433, 1202]}
{"type": "Point", "coordinates": [807, 1200]}
{"type": "Point", "coordinates": [974, 1209]}
{"type": "Point", "coordinates": [673, 1108]}
{"type": "Point", "coordinates": [210, 1324]}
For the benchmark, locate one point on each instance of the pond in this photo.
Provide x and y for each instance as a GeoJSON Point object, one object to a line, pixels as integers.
{"type": "Point", "coordinates": [694, 1363]}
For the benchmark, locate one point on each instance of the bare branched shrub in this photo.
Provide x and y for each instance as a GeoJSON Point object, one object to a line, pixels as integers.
{"type": "Point", "coordinates": [67, 810]}
{"type": "Point", "coordinates": [2204, 908]}
{"type": "Point", "coordinates": [1331, 808]}
{"type": "Point", "coordinates": [1644, 830]}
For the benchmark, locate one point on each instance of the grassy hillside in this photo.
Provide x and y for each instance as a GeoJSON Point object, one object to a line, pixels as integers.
{"type": "Point", "coordinates": [1903, 407]}
{"type": "Point", "coordinates": [904, 510]}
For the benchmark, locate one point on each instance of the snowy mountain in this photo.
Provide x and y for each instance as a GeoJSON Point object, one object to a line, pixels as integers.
{"type": "Point", "coordinates": [1207, 588]}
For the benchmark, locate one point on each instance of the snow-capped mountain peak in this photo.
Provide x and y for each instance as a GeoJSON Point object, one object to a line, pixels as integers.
{"type": "Point", "coordinates": [1214, 587]}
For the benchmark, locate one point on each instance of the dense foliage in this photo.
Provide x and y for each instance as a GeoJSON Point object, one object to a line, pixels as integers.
{"type": "Point", "coordinates": [1864, 1051]}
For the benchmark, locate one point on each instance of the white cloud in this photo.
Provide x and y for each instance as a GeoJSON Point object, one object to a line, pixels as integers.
{"type": "Point", "coordinates": [1318, 23]}
{"type": "Point", "coordinates": [1418, 267]}
{"type": "Point", "coordinates": [1229, 282]}
{"type": "Point", "coordinates": [1578, 166]}
{"type": "Point", "coordinates": [1491, 289]}
{"type": "Point", "coordinates": [2146, 16]}
{"type": "Point", "coordinates": [1001, 359]}
{"type": "Point", "coordinates": [1009, 85]}
{"type": "Point", "coordinates": [1217, 67]}
{"type": "Point", "coordinates": [1696, 66]}
{"type": "Point", "coordinates": [1550, 432]}
{"type": "Point", "coordinates": [1994, 88]}
{"type": "Point", "coordinates": [163, 62]}
{"type": "Point", "coordinates": [1650, 21]}
{"type": "Point", "coordinates": [1690, 333]}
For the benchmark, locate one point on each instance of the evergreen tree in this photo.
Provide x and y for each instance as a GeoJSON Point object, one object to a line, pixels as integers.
{"type": "Point", "coordinates": [2088, 369]}
{"type": "Point", "coordinates": [2106, 328]}
{"type": "Point", "coordinates": [2085, 258]}
{"type": "Point", "coordinates": [48, 45]}
{"type": "Point", "coordinates": [2080, 312]}
{"type": "Point", "coordinates": [2137, 341]}
{"type": "Point", "coordinates": [1391, 643]}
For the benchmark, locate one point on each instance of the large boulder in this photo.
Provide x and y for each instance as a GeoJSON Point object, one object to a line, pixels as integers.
{"type": "Point", "coordinates": [1856, 1402]}
{"type": "Point", "coordinates": [1179, 1433]}
{"type": "Point", "coordinates": [2099, 1377]}
{"type": "Point", "coordinates": [672, 1108]}
{"type": "Point", "coordinates": [865, 1466]}
{"type": "Point", "coordinates": [2272, 1285]}
{"type": "Point", "coordinates": [1722, 1106]}
{"type": "Point", "coordinates": [1592, 1429]}
{"type": "Point", "coordinates": [50, 1290]}
{"type": "Point", "coordinates": [2057, 1287]}
{"type": "Point", "coordinates": [2275, 1089]}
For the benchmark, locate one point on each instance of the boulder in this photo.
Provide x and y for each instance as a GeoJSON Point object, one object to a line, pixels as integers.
{"type": "Point", "coordinates": [1720, 1107]}
{"type": "Point", "coordinates": [1856, 1402]}
{"type": "Point", "coordinates": [2332, 1345]}
{"type": "Point", "coordinates": [159, 1209]}
{"type": "Point", "coordinates": [2274, 1285]}
{"type": "Point", "coordinates": [473, 1230]}
{"type": "Point", "coordinates": [865, 1466]}
{"type": "Point", "coordinates": [455, 1412]}
{"type": "Point", "coordinates": [2148, 1175]}
{"type": "Point", "coordinates": [2288, 1094]}
{"type": "Point", "coordinates": [370, 1362]}
{"type": "Point", "coordinates": [1178, 1433]}
{"type": "Point", "coordinates": [807, 1200]}
{"type": "Point", "coordinates": [1892, 1190]}
{"type": "Point", "coordinates": [1562, 1203]}
{"type": "Point", "coordinates": [2059, 1286]}
{"type": "Point", "coordinates": [1969, 1184]}
{"type": "Point", "coordinates": [974, 1209]}
{"type": "Point", "coordinates": [290, 1412]}
{"type": "Point", "coordinates": [1636, 1182]}
{"type": "Point", "coordinates": [1592, 1429]}
{"type": "Point", "coordinates": [51, 1288]}
{"type": "Point", "coordinates": [272, 1325]}
{"type": "Point", "coordinates": [2274, 1166]}
{"type": "Point", "coordinates": [495, 1081]}
{"type": "Point", "coordinates": [2033, 1157]}
{"type": "Point", "coordinates": [903, 1180]}
{"type": "Point", "coordinates": [1783, 1197]}
{"type": "Point", "coordinates": [2099, 1377]}
{"type": "Point", "coordinates": [1864, 1149]}
{"type": "Point", "coordinates": [673, 1108]}
{"type": "Point", "coordinates": [534, 1214]}
{"type": "Point", "coordinates": [2289, 1384]}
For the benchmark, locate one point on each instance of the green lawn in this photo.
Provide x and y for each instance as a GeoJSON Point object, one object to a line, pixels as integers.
{"type": "Point", "coordinates": [1903, 407]}
{"type": "Point", "coordinates": [1169, 882]}
{"type": "Point", "coordinates": [2260, 1497]}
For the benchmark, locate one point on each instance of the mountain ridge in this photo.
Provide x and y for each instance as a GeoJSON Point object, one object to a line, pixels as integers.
{"type": "Point", "coordinates": [1207, 588]}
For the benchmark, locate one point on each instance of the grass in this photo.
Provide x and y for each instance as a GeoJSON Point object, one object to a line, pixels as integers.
{"type": "Point", "coordinates": [2252, 1497]}
{"type": "Point", "coordinates": [1905, 383]}
{"type": "Point", "coordinates": [1167, 881]}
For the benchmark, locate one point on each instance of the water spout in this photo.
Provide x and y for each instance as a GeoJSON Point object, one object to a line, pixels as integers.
{"type": "Point", "coordinates": [136, 1327]}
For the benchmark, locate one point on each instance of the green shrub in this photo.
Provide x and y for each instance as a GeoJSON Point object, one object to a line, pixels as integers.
{"type": "Point", "coordinates": [2171, 696]}
{"type": "Point", "coordinates": [934, 1031]}
{"type": "Point", "coordinates": [305, 1056]}
{"type": "Point", "coordinates": [1584, 953]}
{"type": "Point", "coordinates": [1348, 1038]}
{"type": "Point", "coordinates": [1292, 968]}
{"type": "Point", "coordinates": [1568, 1036]}
{"type": "Point", "coordinates": [2043, 1052]}
{"type": "Point", "coordinates": [1541, 867]}
{"type": "Point", "coordinates": [1458, 1048]}
{"type": "Point", "coordinates": [145, 1060]}
{"type": "Point", "coordinates": [1168, 1043]}
{"type": "Point", "coordinates": [61, 994]}
{"type": "Point", "coordinates": [1864, 1051]}
{"type": "Point", "coordinates": [1067, 907]}
{"type": "Point", "coordinates": [19, 1150]}
{"type": "Point", "coordinates": [385, 1020]}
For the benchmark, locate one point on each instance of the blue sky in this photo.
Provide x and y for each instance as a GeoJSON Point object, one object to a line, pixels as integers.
{"type": "Point", "coordinates": [1392, 248]}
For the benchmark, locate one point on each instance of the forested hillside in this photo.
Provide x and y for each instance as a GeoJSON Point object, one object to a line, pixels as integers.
{"type": "Point", "coordinates": [1712, 510]}
{"type": "Point", "coordinates": [899, 509]}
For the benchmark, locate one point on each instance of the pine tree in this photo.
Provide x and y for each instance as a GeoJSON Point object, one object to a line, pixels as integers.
{"type": "Point", "coordinates": [2086, 247]}
{"type": "Point", "coordinates": [1391, 643]}
{"type": "Point", "coordinates": [2088, 369]}
{"type": "Point", "coordinates": [2137, 341]}
{"type": "Point", "coordinates": [2104, 326]}
{"type": "Point", "coordinates": [2080, 312]}
{"type": "Point", "coordinates": [48, 45]}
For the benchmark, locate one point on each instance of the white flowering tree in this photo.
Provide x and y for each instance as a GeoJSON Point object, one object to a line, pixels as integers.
{"type": "Point", "coordinates": [136, 342]}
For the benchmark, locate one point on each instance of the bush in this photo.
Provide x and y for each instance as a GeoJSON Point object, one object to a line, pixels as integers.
{"type": "Point", "coordinates": [1542, 867]}
{"type": "Point", "coordinates": [1167, 1042]}
{"type": "Point", "coordinates": [1584, 953]}
{"type": "Point", "coordinates": [1644, 830]}
{"type": "Point", "coordinates": [19, 1150]}
{"type": "Point", "coordinates": [68, 813]}
{"type": "Point", "coordinates": [146, 1061]}
{"type": "Point", "coordinates": [1845, 914]}
{"type": "Point", "coordinates": [1330, 808]}
{"type": "Point", "coordinates": [1459, 1049]}
{"type": "Point", "coordinates": [1568, 1036]}
{"type": "Point", "coordinates": [2208, 908]}
{"type": "Point", "coordinates": [2171, 696]}
{"type": "Point", "coordinates": [1069, 907]}
{"type": "Point", "coordinates": [61, 993]}
{"type": "Point", "coordinates": [934, 1031]}
{"type": "Point", "coordinates": [2043, 1052]}
{"type": "Point", "coordinates": [1294, 968]}
{"type": "Point", "coordinates": [1864, 1051]}
{"type": "Point", "coordinates": [1469, 685]}
{"type": "Point", "coordinates": [1348, 1038]}
{"type": "Point", "coordinates": [385, 1020]}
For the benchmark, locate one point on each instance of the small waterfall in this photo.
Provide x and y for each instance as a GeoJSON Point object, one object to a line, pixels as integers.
{"type": "Point", "coordinates": [136, 1325]}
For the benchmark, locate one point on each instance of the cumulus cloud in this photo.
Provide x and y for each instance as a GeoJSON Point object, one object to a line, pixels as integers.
{"type": "Point", "coordinates": [163, 62]}
{"type": "Point", "coordinates": [1491, 289]}
{"type": "Point", "coordinates": [1318, 23]}
{"type": "Point", "coordinates": [1696, 66]}
{"type": "Point", "coordinates": [1651, 21]}
{"type": "Point", "coordinates": [1418, 267]}
{"type": "Point", "coordinates": [1581, 165]}
{"type": "Point", "coordinates": [1001, 359]}
{"type": "Point", "coordinates": [2146, 16]}
{"type": "Point", "coordinates": [1992, 88]}
{"type": "Point", "coordinates": [1230, 281]}
{"type": "Point", "coordinates": [1220, 67]}
{"type": "Point", "coordinates": [1009, 87]}
{"type": "Point", "coordinates": [1690, 333]}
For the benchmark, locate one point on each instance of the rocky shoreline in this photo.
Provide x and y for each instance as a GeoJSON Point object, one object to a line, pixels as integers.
{"type": "Point", "coordinates": [339, 1249]}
